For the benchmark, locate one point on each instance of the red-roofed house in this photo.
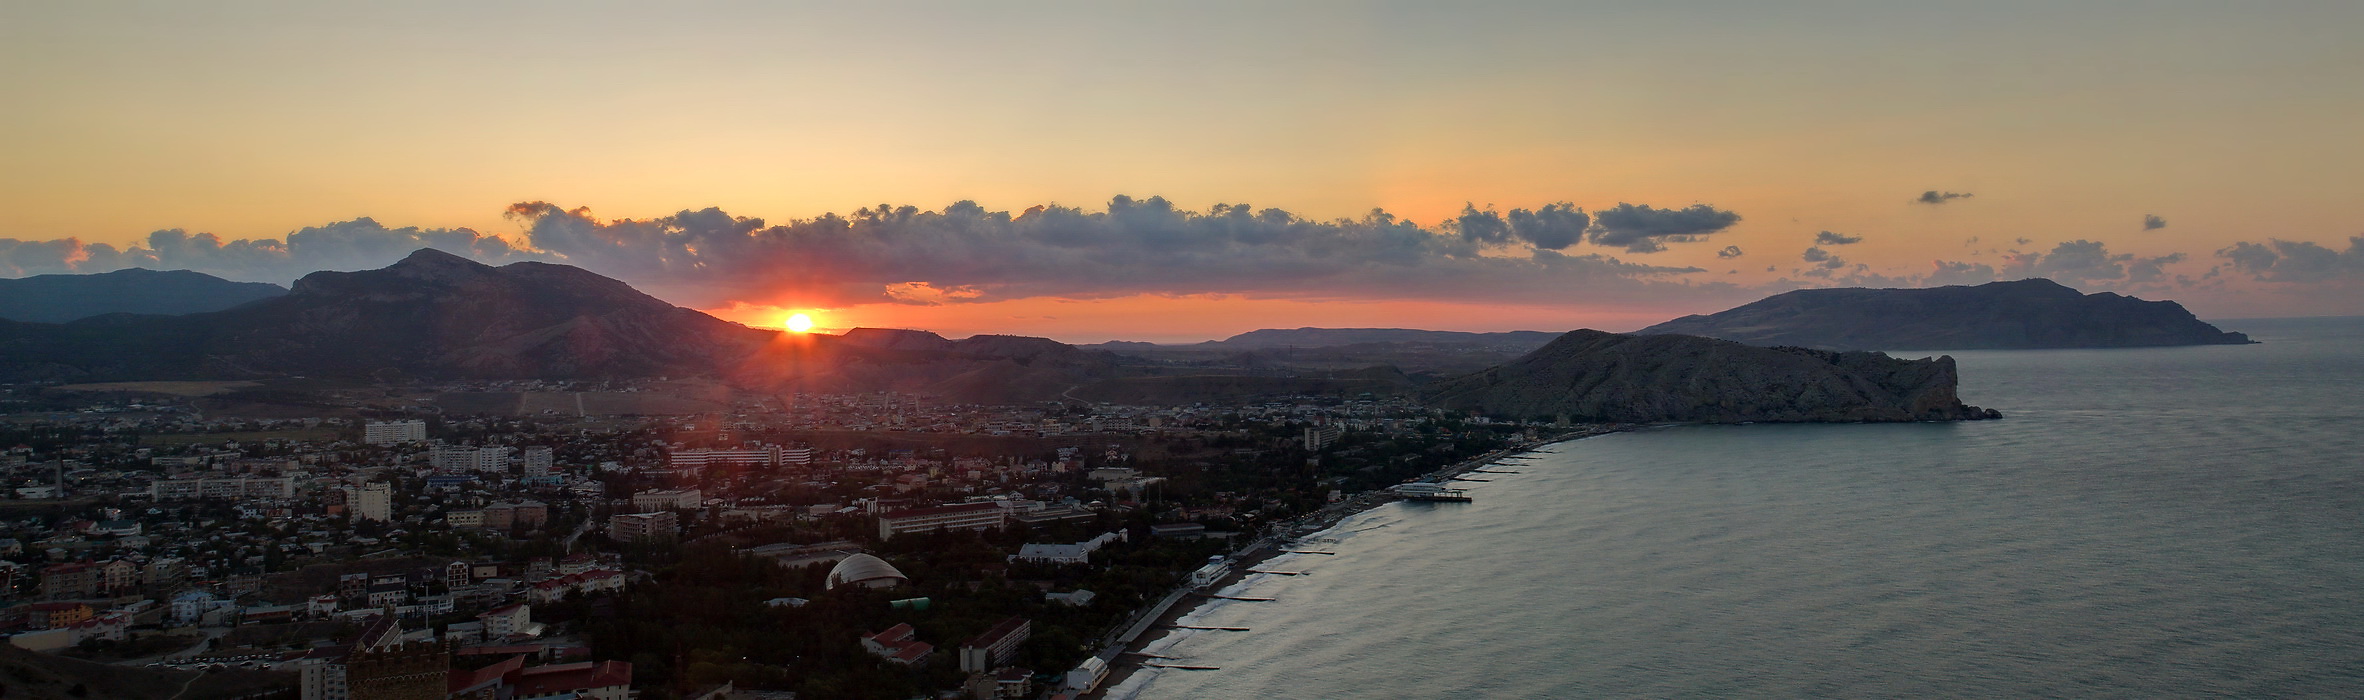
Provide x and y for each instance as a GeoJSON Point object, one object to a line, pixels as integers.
{"type": "Point", "coordinates": [899, 644]}
{"type": "Point", "coordinates": [605, 680]}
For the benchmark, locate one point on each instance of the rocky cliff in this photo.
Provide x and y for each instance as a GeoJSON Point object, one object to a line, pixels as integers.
{"type": "Point", "coordinates": [2033, 313]}
{"type": "Point", "coordinates": [1598, 376]}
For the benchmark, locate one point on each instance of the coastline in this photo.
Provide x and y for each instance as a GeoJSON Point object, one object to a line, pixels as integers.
{"type": "Point", "coordinates": [1129, 661]}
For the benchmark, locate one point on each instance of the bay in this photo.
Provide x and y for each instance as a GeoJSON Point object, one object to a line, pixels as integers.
{"type": "Point", "coordinates": [2166, 522]}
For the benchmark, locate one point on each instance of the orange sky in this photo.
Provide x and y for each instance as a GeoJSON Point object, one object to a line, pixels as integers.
{"type": "Point", "coordinates": [2232, 123]}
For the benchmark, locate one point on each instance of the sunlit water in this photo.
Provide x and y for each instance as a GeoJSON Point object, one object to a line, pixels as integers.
{"type": "Point", "coordinates": [2145, 523]}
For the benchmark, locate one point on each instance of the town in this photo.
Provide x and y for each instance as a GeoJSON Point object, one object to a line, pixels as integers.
{"type": "Point", "coordinates": [817, 546]}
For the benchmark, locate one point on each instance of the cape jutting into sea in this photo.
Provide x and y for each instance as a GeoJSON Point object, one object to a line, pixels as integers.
{"type": "Point", "coordinates": [2145, 523]}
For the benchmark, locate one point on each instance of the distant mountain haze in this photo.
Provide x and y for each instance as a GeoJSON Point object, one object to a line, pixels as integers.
{"type": "Point", "coordinates": [2026, 314]}
{"type": "Point", "coordinates": [62, 298]}
{"type": "Point", "coordinates": [434, 315]}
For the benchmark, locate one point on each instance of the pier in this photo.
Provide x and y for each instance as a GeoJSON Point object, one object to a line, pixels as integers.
{"type": "Point", "coordinates": [1248, 600]}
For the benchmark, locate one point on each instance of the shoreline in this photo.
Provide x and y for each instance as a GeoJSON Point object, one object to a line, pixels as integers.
{"type": "Point", "coordinates": [1129, 660]}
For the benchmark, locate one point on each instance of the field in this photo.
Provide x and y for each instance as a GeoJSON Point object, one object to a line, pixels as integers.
{"type": "Point", "coordinates": [168, 388]}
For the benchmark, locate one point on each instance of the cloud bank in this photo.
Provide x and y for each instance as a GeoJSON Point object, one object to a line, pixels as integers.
{"type": "Point", "coordinates": [1936, 197]}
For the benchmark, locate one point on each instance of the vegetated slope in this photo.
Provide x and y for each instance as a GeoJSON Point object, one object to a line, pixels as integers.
{"type": "Point", "coordinates": [62, 298]}
{"type": "Point", "coordinates": [2032, 313]}
{"type": "Point", "coordinates": [1597, 376]}
{"type": "Point", "coordinates": [432, 314]}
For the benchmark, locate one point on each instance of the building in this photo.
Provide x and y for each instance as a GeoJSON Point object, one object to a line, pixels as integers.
{"type": "Point", "coordinates": [412, 671]}
{"type": "Point", "coordinates": [1078, 553]}
{"type": "Point", "coordinates": [538, 461]}
{"type": "Point", "coordinates": [394, 432]}
{"type": "Point", "coordinates": [899, 644]}
{"type": "Point", "coordinates": [995, 647]}
{"type": "Point", "coordinates": [604, 680]}
{"type": "Point", "coordinates": [323, 672]}
{"type": "Point", "coordinates": [469, 459]}
{"type": "Point", "coordinates": [796, 456]}
{"type": "Point", "coordinates": [507, 621]}
{"type": "Point", "coordinates": [684, 499]}
{"type": "Point", "coordinates": [866, 571]}
{"type": "Point", "coordinates": [71, 580]}
{"type": "Point", "coordinates": [626, 527]}
{"type": "Point", "coordinates": [1322, 436]}
{"type": "Point", "coordinates": [223, 489]}
{"type": "Point", "coordinates": [57, 614]}
{"type": "Point", "coordinates": [376, 502]}
{"type": "Point", "coordinates": [119, 576]}
{"type": "Point", "coordinates": [502, 516]}
{"type": "Point", "coordinates": [966, 516]}
{"type": "Point", "coordinates": [693, 460]}
{"type": "Point", "coordinates": [464, 518]}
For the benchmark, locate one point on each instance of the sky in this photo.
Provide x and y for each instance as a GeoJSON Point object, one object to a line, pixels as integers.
{"type": "Point", "coordinates": [1204, 169]}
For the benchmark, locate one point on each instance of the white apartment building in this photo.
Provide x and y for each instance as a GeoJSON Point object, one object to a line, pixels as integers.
{"type": "Point", "coordinates": [376, 502]}
{"type": "Point", "coordinates": [394, 432]}
{"type": "Point", "coordinates": [537, 461]}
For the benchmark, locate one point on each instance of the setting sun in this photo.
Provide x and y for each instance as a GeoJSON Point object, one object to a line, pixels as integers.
{"type": "Point", "coordinates": [800, 323]}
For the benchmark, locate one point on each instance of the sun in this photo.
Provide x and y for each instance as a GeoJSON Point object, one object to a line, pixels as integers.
{"type": "Point", "coordinates": [800, 323]}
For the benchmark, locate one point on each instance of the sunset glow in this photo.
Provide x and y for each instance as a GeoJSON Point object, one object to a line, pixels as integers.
{"type": "Point", "coordinates": [799, 323]}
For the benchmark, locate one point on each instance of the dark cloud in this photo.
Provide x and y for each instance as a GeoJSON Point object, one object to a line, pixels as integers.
{"type": "Point", "coordinates": [1646, 229]}
{"type": "Point", "coordinates": [2152, 222]}
{"type": "Point", "coordinates": [1823, 259]}
{"type": "Point", "coordinates": [359, 244]}
{"type": "Point", "coordinates": [1553, 227]}
{"type": "Point", "coordinates": [2278, 260]}
{"type": "Point", "coordinates": [1730, 252]}
{"type": "Point", "coordinates": [965, 253]}
{"type": "Point", "coordinates": [1948, 272]}
{"type": "Point", "coordinates": [1936, 197]}
{"type": "Point", "coordinates": [2082, 262]}
{"type": "Point", "coordinates": [1828, 238]}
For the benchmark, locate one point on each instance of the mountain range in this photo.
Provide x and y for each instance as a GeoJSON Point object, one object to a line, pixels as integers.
{"type": "Point", "coordinates": [2026, 314]}
{"type": "Point", "coordinates": [62, 298]}
{"type": "Point", "coordinates": [438, 316]}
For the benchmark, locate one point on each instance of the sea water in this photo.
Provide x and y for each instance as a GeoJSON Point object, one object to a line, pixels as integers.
{"type": "Point", "coordinates": [2143, 523]}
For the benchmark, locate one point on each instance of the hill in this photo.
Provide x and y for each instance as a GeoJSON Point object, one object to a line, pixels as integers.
{"type": "Point", "coordinates": [2027, 314]}
{"type": "Point", "coordinates": [1332, 337]}
{"type": "Point", "coordinates": [1596, 376]}
{"type": "Point", "coordinates": [62, 298]}
{"type": "Point", "coordinates": [433, 314]}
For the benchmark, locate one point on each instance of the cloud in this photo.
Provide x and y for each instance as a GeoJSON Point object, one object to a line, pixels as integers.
{"type": "Point", "coordinates": [2278, 260]}
{"type": "Point", "coordinates": [1730, 252]}
{"type": "Point", "coordinates": [1951, 273]}
{"type": "Point", "coordinates": [2152, 222]}
{"type": "Point", "coordinates": [965, 253]}
{"type": "Point", "coordinates": [1646, 229]}
{"type": "Point", "coordinates": [359, 244]}
{"type": "Point", "coordinates": [2087, 263]}
{"type": "Point", "coordinates": [1936, 197]}
{"type": "Point", "coordinates": [1823, 259]}
{"type": "Point", "coordinates": [1828, 238]}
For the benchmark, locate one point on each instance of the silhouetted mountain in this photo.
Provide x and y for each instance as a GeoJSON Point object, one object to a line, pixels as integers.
{"type": "Point", "coordinates": [1331, 337]}
{"type": "Point", "coordinates": [432, 314]}
{"type": "Point", "coordinates": [2032, 313]}
{"type": "Point", "coordinates": [1592, 375]}
{"type": "Point", "coordinates": [62, 298]}
{"type": "Point", "coordinates": [896, 339]}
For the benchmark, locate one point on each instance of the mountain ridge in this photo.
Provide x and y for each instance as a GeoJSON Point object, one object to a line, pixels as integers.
{"type": "Point", "coordinates": [2025, 314]}
{"type": "Point", "coordinates": [134, 290]}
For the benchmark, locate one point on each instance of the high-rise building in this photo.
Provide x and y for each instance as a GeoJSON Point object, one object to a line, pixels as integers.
{"type": "Point", "coordinates": [537, 461]}
{"type": "Point", "coordinates": [394, 432]}
{"type": "Point", "coordinates": [376, 502]}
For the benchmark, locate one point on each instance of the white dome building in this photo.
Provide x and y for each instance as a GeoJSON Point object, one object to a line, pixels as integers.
{"type": "Point", "coordinates": [865, 571]}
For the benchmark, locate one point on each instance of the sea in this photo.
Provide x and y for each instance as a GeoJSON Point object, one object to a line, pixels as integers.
{"type": "Point", "coordinates": [2143, 523]}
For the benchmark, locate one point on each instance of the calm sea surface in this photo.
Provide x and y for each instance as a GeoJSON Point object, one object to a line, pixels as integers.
{"type": "Point", "coordinates": [2145, 523]}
